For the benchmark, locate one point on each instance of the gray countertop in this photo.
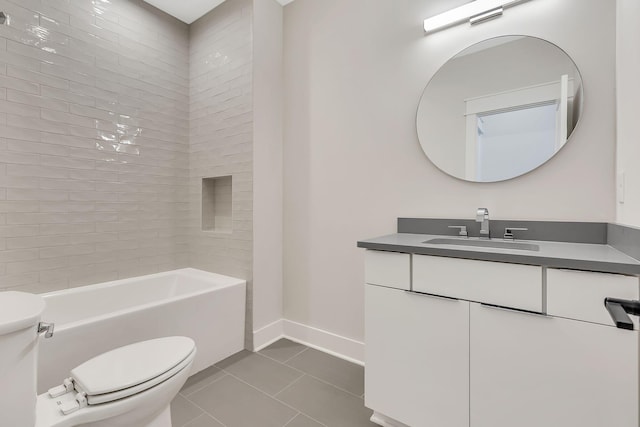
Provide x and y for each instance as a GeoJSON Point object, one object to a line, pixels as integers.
{"type": "Point", "coordinates": [579, 256]}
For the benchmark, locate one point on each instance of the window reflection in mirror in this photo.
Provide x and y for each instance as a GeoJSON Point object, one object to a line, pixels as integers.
{"type": "Point", "coordinates": [511, 141]}
{"type": "Point", "coordinates": [500, 109]}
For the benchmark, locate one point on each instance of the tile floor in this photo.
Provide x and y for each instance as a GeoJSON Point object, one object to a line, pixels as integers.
{"type": "Point", "coordinates": [286, 384]}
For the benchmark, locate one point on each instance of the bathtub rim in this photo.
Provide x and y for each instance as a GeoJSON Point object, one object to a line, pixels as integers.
{"type": "Point", "coordinates": [226, 282]}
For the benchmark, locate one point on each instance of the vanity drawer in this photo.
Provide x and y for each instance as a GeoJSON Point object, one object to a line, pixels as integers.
{"type": "Point", "coordinates": [507, 285]}
{"type": "Point", "coordinates": [580, 295]}
{"type": "Point", "coordinates": [390, 269]}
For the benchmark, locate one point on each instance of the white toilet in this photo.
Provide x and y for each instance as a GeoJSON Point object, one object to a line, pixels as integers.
{"type": "Point", "coordinates": [126, 387]}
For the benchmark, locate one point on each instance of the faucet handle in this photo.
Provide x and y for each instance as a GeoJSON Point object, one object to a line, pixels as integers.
{"type": "Point", "coordinates": [508, 232]}
{"type": "Point", "coordinates": [463, 229]}
{"type": "Point", "coordinates": [47, 328]}
{"type": "Point", "coordinates": [482, 214]}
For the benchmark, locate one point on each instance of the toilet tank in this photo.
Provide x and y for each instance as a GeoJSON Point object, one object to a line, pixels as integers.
{"type": "Point", "coordinates": [19, 317]}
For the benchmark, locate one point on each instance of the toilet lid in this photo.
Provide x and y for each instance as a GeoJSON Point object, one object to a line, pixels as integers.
{"type": "Point", "coordinates": [131, 367]}
{"type": "Point", "coordinates": [19, 310]}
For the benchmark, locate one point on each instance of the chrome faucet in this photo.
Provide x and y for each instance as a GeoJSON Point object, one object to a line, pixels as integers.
{"type": "Point", "coordinates": [482, 215]}
{"type": "Point", "coordinates": [47, 328]}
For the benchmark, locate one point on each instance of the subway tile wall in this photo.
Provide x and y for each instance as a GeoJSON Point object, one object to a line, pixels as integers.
{"type": "Point", "coordinates": [221, 137]}
{"type": "Point", "coordinates": [94, 143]}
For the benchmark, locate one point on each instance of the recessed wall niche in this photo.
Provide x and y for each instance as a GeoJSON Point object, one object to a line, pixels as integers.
{"type": "Point", "coordinates": [216, 204]}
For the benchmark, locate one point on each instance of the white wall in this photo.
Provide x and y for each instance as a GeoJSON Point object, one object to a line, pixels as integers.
{"type": "Point", "coordinates": [628, 97]}
{"type": "Point", "coordinates": [354, 74]}
{"type": "Point", "coordinates": [267, 160]}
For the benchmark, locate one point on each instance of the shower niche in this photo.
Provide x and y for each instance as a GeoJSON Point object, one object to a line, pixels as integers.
{"type": "Point", "coordinates": [217, 204]}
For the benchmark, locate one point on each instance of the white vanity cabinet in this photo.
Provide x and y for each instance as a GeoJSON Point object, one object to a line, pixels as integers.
{"type": "Point", "coordinates": [510, 345]}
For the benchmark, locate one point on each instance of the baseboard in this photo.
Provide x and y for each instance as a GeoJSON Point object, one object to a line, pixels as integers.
{"type": "Point", "coordinates": [327, 342]}
{"type": "Point", "coordinates": [267, 335]}
{"type": "Point", "coordinates": [384, 421]}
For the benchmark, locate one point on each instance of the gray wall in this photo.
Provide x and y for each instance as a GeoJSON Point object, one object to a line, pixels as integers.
{"type": "Point", "coordinates": [221, 137]}
{"type": "Point", "coordinates": [94, 158]}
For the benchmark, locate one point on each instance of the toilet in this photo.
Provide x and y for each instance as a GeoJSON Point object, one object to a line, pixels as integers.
{"type": "Point", "coordinates": [125, 387]}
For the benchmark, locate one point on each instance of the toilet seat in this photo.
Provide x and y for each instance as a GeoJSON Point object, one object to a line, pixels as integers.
{"type": "Point", "coordinates": [96, 399]}
{"type": "Point", "coordinates": [136, 402]}
{"type": "Point", "coordinates": [131, 369]}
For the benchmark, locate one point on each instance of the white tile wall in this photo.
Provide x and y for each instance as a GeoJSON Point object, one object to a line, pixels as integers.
{"type": "Point", "coordinates": [221, 132]}
{"type": "Point", "coordinates": [221, 137]}
{"type": "Point", "coordinates": [94, 142]}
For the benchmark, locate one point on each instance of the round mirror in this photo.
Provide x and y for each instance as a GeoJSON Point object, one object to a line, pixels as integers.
{"type": "Point", "coordinates": [500, 108]}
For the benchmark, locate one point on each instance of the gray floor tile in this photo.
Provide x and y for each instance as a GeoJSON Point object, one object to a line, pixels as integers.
{"type": "Point", "coordinates": [203, 420]}
{"type": "Point", "coordinates": [260, 371]}
{"type": "Point", "coordinates": [201, 379]}
{"type": "Point", "coordinates": [327, 404]}
{"type": "Point", "coordinates": [183, 411]}
{"type": "Point", "coordinates": [237, 404]}
{"type": "Point", "coordinates": [283, 350]}
{"type": "Point", "coordinates": [303, 421]}
{"type": "Point", "coordinates": [343, 374]}
{"type": "Point", "coordinates": [233, 359]}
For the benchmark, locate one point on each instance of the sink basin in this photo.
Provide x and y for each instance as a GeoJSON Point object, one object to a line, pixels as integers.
{"type": "Point", "coordinates": [484, 244]}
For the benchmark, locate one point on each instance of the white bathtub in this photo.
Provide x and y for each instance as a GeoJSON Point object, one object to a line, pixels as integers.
{"type": "Point", "coordinates": [207, 307]}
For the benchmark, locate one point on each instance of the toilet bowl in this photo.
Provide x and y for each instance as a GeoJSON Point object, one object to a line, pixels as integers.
{"type": "Point", "coordinates": [128, 386]}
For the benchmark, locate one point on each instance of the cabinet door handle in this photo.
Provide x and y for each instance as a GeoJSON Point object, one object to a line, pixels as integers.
{"type": "Point", "coordinates": [514, 310]}
{"type": "Point", "coordinates": [422, 294]}
{"type": "Point", "coordinates": [619, 310]}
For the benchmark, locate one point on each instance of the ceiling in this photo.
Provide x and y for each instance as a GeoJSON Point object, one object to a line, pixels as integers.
{"type": "Point", "coordinates": [190, 10]}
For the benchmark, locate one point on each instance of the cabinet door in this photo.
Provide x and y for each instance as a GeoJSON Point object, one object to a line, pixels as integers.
{"type": "Point", "coordinates": [531, 370]}
{"type": "Point", "coordinates": [417, 358]}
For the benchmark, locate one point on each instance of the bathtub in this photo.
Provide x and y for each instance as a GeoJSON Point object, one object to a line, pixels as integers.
{"type": "Point", "coordinates": [89, 320]}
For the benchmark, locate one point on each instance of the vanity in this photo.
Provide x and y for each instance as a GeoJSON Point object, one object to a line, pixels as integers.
{"type": "Point", "coordinates": [517, 324]}
{"type": "Point", "coordinates": [469, 332]}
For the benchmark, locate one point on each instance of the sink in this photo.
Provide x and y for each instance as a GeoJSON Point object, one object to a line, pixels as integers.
{"type": "Point", "coordinates": [484, 244]}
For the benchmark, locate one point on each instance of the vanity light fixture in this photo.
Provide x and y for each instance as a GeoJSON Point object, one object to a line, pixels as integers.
{"type": "Point", "coordinates": [475, 12]}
